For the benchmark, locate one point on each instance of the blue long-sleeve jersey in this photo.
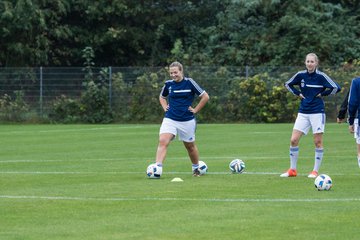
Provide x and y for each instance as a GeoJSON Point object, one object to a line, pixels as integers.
{"type": "Point", "coordinates": [310, 85]}
{"type": "Point", "coordinates": [354, 100]}
{"type": "Point", "coordinates": [180, 97]}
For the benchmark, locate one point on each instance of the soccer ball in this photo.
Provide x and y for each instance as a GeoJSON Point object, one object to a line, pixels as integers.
{"type": "Point", "coordinates": [203, 168]}
{"type": "Point", "coordinates": [237, 166]}
{"type": "Point", "coordinates": [323, 182]}
{"type": "Point", "coordinates": [154, 171]}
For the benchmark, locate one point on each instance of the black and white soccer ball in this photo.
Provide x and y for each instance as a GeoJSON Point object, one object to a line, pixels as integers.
{"type": "Point", "coordinates": [323, 182]}
{"type": "Point", "coordinates": [237, 166]}
{"type": "Point", "coordinates": [154, 171]}
{"type": "Point", "coordinates": [203, 168]}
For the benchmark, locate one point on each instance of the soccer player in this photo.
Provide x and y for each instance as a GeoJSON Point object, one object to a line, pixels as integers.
{"type": "Point", "coordinates": [354, 128]}
{"type": "Point", "coordinates": [311, 86]}
{"type": "Point", "coordinates": [354, 112]}
{"type": "Point", "coordinates": [176, 98]}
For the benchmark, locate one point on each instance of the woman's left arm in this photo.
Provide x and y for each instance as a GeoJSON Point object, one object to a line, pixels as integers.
{"type": "Point", "coordinates": [204, 98]}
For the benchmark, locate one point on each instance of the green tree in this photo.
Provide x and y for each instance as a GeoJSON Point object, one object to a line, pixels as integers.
{"type": "Point", "coordinates": [153, 33]}
{"type": "Point", "coordinates": [263, 32]}
{"type": "Point", "coordinates": [28, 31]}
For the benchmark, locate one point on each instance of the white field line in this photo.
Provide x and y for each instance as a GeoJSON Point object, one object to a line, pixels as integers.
{"type": "Point", "coordinates": [77, 129]}
{"type": "Point", "coordinates": [225, 158]}
{"type": "Point", "coordinates": [113, 172]}
{"type": "Point", "coordinates": [118, 159]}
{"type": "Point", "coordinates": [122, 199]}
{"type": "Point", "coordinates": [122, 159]}
{"type": "Point", "coordinates": [169, 173]}
{"type": "Point", "coordinates": [64, 173]}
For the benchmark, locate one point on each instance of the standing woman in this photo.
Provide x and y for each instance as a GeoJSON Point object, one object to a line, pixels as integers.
{"type": "Point", "coordinates": [355, 105]}
{"type": "Point", "coordinates": [312, 86]}
{"type": "Point", "coordinates": [354, 112]}
{"type": "Point", "coordinates": [176, 98]}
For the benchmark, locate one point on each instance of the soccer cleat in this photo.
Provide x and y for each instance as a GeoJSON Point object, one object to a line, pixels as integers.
{"type": "Point", "coordinates": [290, 173]}
{"type": "Point", "coordinates": [313, 174]}
{"type": "Point", "coordinates": [196, 172]}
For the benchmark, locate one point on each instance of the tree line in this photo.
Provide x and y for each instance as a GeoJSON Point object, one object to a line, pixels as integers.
{"type": "Point", "coordinates": [195, 32]}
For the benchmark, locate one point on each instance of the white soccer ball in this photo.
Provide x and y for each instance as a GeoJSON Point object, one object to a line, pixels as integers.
{"type": "Point", "coordinates": [237, 166]}
{"type": "Point", "coordinates": [203, 168]}
{"type": "Point", "coordinates": [323, 182]}
{"type": "Point", "coordinates": [154, 171]}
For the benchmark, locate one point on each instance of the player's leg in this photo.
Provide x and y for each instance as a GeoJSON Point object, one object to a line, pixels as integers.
{"type": "Point", "coordinates": [319, 153]}
{"type": "Point", "coordinates": [357, 137]}
{"type": "Point", "coordinates": [358, 153]}
{"type": "Point", "coordinates": [318, 128]}
{"type": "Point", "coordinates": [301, 127]}
{"type": "Point", "coordinates": [187, 135]}
{"type": "Point", "coordinates": [293, 153]}
{"type": "Point", "coordinates": [193, 152]}
{"type": "Point", "coordinates": [294, 147]}
{"type": "Point", "coordinates": [164, 141]}
{"type": "Point", "coordinates": [166, 134]}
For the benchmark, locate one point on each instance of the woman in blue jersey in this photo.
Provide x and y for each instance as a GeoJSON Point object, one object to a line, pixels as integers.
{"type": "Point", "coordinates": [311, 85]}
{"type": "Point", "coordinates": [354, 112]}
{"type": "Point", "coordinates": [354, 127]}
{"type": "Point", "coordinates": [176, 98]}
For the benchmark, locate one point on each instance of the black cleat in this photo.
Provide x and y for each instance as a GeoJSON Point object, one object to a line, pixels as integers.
{"type": "Point", "coordinates": [196, 173]}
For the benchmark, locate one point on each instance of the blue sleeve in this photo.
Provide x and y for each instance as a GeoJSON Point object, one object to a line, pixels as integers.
{"type": "Point", "coordinates": [295, 80]}
{"type": "Point", "coordinates": [164, 91]}
{"type": "Point", "coordinates": [353, 100]}
{"type": "Point", "coordinates": [331, 86]}
{"type": "Point", "coordinates": [195, 87]}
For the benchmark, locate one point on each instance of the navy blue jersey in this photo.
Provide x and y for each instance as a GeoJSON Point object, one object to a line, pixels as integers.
{"type": "Point", "coordinates": [180, 97]}
{"type": "Point", "coordinates": [354, 100]}
{"type": "Point", "coordinates": [310, 85]}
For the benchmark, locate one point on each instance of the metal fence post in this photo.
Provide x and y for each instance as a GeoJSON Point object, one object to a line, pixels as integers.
{"type": "Point", "coordinates": [110, 87]}
{"type": "Point", "coordinates": [41, 92]}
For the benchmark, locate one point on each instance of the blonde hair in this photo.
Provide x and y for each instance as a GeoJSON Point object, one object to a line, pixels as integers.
{"type": "Point", "coordinates": [313, 55]}
{"type": "Point", "coordinates": [177, 64]}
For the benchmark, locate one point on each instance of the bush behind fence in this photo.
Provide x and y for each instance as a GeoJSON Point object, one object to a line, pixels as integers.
{"type": "Point", "coordinates": [130, 94]}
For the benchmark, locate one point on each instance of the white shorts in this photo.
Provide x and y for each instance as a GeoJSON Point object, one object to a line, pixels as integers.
{"type": "Point", "coordinates": [316, 121]}
{"type": "Point", "coordinates": [357, 131]}
{"type": "Point", "coordinates": [185, 130]}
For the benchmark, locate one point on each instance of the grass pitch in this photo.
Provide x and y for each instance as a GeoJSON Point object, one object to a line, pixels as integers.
{"type": "Point", "coordinates": [89, 182]}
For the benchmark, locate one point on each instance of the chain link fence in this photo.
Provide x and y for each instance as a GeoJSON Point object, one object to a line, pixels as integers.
{"type": "Point", "coordinates": [132, 93]}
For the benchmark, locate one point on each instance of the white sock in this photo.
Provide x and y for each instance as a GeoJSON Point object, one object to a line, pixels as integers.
{"type": "Point", "coordinates": [194, 166]}
{"type": "Point", "coordinates": [319, 152]}
{"type": "Point", "coordinates": [359, 161]}
{"type": "Point", "coordinates": [294, 155]}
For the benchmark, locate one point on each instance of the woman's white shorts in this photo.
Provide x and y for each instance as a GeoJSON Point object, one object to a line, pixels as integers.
{"type": "Point", "coordinates": [185, 130]}
{"type": "Point", "coordinates": [316, 121]}
{"type": "Point", "coordinates": [357, 131]}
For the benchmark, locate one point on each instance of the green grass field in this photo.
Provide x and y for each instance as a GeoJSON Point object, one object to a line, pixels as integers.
{"type": "Point", "coordinates": [89, 182]}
